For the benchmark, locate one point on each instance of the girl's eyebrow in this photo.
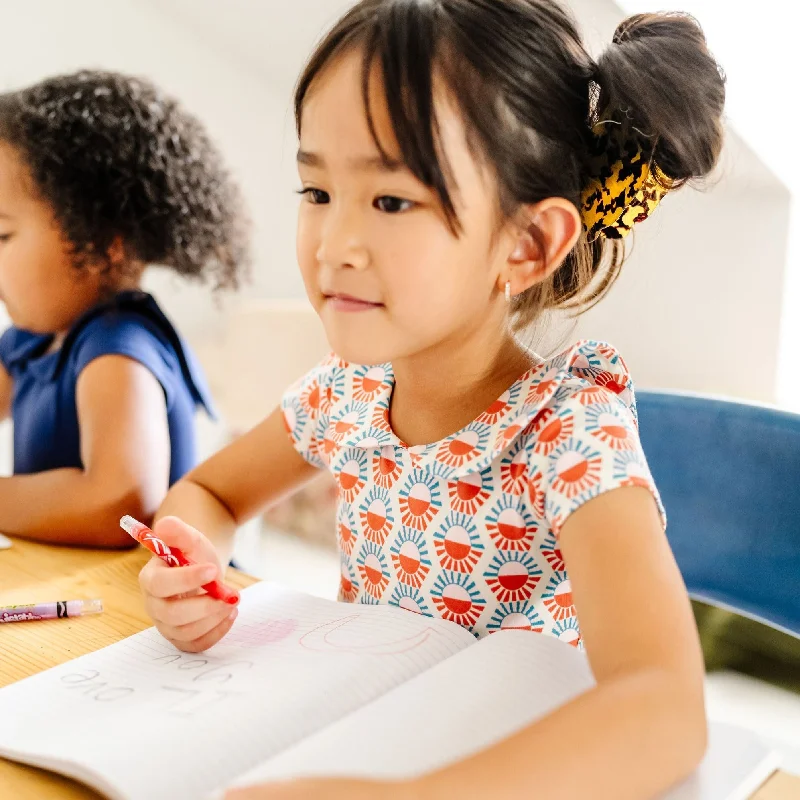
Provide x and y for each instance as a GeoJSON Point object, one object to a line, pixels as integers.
{"type": "Point", "coordinates": [363, 163]}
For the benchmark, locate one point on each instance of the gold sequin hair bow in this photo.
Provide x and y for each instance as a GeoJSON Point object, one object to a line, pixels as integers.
{"type": "Point", "coordinates": [627, 186]}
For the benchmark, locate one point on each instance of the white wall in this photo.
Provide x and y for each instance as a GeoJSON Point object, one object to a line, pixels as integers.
{"type": "Point", "coordinates": [244, 115]}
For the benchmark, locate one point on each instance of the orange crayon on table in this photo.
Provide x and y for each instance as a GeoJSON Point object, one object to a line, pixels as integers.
{"type": "Point", "coordinates": [173, 557]}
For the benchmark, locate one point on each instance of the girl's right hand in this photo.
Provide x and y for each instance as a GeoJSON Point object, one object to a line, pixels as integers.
{"type": "Point", "coordinates": [183, 613]}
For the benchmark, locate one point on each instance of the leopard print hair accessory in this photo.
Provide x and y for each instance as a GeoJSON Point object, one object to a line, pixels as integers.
{"type": "Point", "coordinates": [627, 186]}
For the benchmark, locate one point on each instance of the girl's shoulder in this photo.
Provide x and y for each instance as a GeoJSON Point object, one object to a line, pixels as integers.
{"type": "Point", "coordinates": [590, 367]}
{"type": "Point", "coordinates": [133, 325]}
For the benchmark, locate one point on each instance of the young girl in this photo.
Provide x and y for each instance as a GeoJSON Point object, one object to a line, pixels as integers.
{"type": "Point", "coordinates": [101, 175]}
{"type": "Point", "coordinates": [466, 167]}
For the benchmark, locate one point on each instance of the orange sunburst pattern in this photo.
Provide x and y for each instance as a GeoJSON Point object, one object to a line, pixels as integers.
{"type": "Point", "coordinates": [348, 585]}
{"type": "Point", "coordinates": [469, 492]}
{"type": "Point", "coordinates": [557, 598]}
{"type": "Point", "coordinates": [311, 398]}
{"type": "Point", "coordinates": [369, 383]}
{"type": "Point", "coordinates": [591, 395]}
{"type": "Point", "coordinates": [575, 468]}
{"type": "Point", "coordinates": [327, 448]}
{"type": "Point", "coordinates": [630, 469]}
{"type": "Point", "coordinates": [540, 390]}
{"type": "Point", "coordinates": [606, 423]}
{"type": "Point", "coordinates": [512, 577]}
{"type": "Point", "coordinates": [552, 553]}
{"type": "Point", "coordinates": [346, 533]}
{"type": "Point", "coordinates": [568, 630]}
{"type": "Point", "coordinates": [458, 543]}
{"type": "Point", "coordinates": [420, 500]}
{"type": "Point", "coordinates": [380, 418]}
{"type": "Point", "coordinates": [351, 474]}
{"type": "Point", "coordinates": [377, 518]}
{"type": "Point", "coordinates": [505, 403]}
{"type": "Point", "coordinates": [457, 599]}
{"type": "Point", "coordinates": [386, 467]}
{"type": "Point", "coordinates": [510, 526]}
{"type": "Point", "coordinates": [332, 390]}
{"type": "Point", "coordinates": [464, 446]}
{"type": "Point", "coordinates": [514, 471]}
{"type": "Point", "coordinates": [612, 382]}
{"type": "Point", "coordinates": [373, 569]}
{"type": "Point", "coordinates": [553, 429]}
{"type": "Point", "coordinates": [343, 423]}
{"type": "Point", "coordinates": [410, 557]}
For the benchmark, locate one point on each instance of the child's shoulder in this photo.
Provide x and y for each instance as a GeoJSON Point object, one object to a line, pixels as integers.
{"type": "Point", "coordinates": [585, 387]}
{"type": "Point", "coordinates": [133, 325]}
{"type": "Point", "coordinates": [591, 366]}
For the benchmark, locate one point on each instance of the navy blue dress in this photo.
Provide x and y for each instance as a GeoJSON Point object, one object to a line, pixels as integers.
{"type": "Point", "coordinates": [44, 407]}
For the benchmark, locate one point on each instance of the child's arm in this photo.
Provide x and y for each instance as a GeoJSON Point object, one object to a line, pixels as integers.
{"type": "Point", "coordinates": [125, 450]}
{"type": "Point", "coordinates": [6, 392]}
{"type": "Point", "coordinates": [640, 730]}
{"type": "Point", "coordinates": [221, 494]}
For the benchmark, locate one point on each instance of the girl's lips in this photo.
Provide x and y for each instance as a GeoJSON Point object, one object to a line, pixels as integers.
{"type": "Point", "coordinates": [349, 304]}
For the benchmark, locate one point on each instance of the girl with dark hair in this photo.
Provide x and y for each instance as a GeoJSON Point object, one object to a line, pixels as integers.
{"type": "Point", "coordinates": [466, 167]}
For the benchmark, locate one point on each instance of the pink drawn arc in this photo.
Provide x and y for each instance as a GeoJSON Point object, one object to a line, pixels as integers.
{"type": "Point", "coordinates": [320, 640]}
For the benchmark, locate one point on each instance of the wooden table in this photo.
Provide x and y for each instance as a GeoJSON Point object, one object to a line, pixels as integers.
{"type": "Point", "coordinates": [31, 573]}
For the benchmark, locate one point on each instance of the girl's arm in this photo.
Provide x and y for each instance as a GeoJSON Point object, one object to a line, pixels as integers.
{"type": "Point", "coordinates": [239, 482]}
{"type": "Point", "coordinates": [125, 450]}
{"type": "Point", "coordinates": [200, 515]}
{"type": "Point", "coordinates": [6, 392]}
{"type": "Point", "coordinates": [642, 728]}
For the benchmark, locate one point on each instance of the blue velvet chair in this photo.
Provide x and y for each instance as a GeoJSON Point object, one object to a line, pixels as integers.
{"type": "Point", "coordinates": [729, 476]}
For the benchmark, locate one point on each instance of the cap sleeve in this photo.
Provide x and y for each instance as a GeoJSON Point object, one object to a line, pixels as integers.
{"type": "Point", "coordinates": [306, 409]}
{"type": "Point", "coordinates": [586, 442]}
{"type": "Point", "coordinates": [123, 335]}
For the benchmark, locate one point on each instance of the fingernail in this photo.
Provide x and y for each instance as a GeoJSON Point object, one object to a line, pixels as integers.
{"type": "Point", "coordinates": [208, 574]}
{"type": "Point", "coordinates": [232, 616]}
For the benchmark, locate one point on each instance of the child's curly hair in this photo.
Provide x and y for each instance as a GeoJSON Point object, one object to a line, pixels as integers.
{"type": "Point", "coordinates": [115, 158]}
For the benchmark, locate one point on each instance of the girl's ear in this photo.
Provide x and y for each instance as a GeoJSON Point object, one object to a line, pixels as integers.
{"type": "Point", "coordinates": [116, 252]}
{"type": "Point", "coordinates": [544, 239]}
{"type": "Point", "coordinates": [115, 257]}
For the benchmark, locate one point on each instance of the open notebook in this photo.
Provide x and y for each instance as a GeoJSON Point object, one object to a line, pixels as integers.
{"type": "Point", "coordinates": [304, 686]}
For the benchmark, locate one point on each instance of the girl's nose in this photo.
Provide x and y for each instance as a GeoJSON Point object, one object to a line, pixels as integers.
{"type": "Point", "coordinates": [342, 242]}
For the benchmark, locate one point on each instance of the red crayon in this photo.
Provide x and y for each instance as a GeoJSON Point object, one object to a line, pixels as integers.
{"type": "Point", "coordinates": [173, 557]}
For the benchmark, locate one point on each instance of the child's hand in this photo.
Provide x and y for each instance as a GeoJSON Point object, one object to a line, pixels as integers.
{"type": "Point", "coordinates": [182, 612]}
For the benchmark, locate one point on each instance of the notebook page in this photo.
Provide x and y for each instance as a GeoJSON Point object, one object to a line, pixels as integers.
{"type": "Point", "coordinates": [139, 719]}
{"type": "Point", "coordinates": [477, 698]}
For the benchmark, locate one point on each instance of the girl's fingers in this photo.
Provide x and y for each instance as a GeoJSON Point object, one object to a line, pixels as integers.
{"type": "Point", "coordinates": [175, 612]}
{"type": "Point", "coordinates": [195, 630]}
{"type": "Point", "coordinates": [208, 639]}
{"type": "Point", "coordinates": [176, 533]}
{"type": "Point", "coordinates": [159, 580]}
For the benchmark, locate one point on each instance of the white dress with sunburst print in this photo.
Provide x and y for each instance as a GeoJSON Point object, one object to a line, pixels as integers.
{"type": "Point", "coordinates": [467, 528]}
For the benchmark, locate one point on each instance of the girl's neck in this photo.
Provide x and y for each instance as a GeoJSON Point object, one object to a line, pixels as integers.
{"type": "Point", "coordinates": [102, 295]}
{"type": "Point", "coordinates": [440, 391]}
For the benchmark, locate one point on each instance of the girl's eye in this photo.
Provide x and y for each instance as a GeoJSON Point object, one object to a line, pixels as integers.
{"type": "Point", "coordinates": [393, 205]}
{"type": "Point", "coordinates": [4, 237]}
{"type": "Point", "coordinates": [315, 196]}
